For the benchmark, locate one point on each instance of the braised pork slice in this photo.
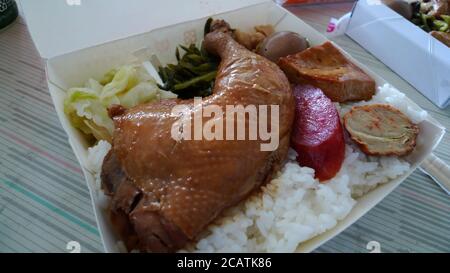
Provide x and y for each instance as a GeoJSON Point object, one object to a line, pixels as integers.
{"type": "Point", "coordinates": [326, 68]}
{"type": "Point", "coordinates": [166, 191]}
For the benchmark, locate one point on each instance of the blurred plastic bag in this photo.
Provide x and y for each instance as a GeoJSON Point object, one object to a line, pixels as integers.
{"type": "Point", "coordinates": [338, 27]}
{"type": "Point", "coordinates": [296, 2]}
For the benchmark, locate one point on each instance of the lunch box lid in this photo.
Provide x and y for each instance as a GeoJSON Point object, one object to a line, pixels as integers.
{"type": "Point", "coordinates": [62, 26]}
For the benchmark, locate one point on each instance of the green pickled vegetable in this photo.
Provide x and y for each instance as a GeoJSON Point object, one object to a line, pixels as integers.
{"type": "Point", "coordinates": [208, 26]}
{"type": "Point", "coordinates": [446, 18]}
{"type": "Point", "coordinates": [177, 54]}
{"type": "Point", "coordinates": [204, 78]}
{"type": "Point", "coordinates": [440, 25]}
{"type": "Point", "coordinates": [192, 76]}
{"type": "Point", "coordinates": [194, 73]}
{"type": "Point", "coordinates": [425, 21]}
{"type": "Point", "coordinates": [429, 23]}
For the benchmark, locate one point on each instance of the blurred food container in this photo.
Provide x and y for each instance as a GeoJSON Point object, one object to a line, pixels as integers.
{"type": "Point", "coordinates": [8, 12]}
{"type": "Point", "coordinates": [295, 2]}
{"type": "Point", "coordinates": [412, 53]}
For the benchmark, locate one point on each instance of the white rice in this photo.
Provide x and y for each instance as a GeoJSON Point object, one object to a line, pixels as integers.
{"type": "Point", "coordinates": [389, 95]}
{"type": "Point", "coordinates": [94, 163]}
{"type": "Point", "coordinates": [294, 207]}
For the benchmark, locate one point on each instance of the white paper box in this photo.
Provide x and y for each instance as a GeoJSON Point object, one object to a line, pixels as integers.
{"type": "Point", "coordinates": [74, 68]}
{"type": "Point", "coordinates": [412, 53]}
{"type": "Point", "coordinates": [61, 26]}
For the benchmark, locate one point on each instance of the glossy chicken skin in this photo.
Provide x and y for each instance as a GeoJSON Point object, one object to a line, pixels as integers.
{"type": "Point", "coordinates": [165, 192]}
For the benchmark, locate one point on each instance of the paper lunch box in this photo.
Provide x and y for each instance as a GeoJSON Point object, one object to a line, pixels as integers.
{"type": "Point", "coordinates": [412, 53]}
{"type": "Point", "coordinates": [73, 69]}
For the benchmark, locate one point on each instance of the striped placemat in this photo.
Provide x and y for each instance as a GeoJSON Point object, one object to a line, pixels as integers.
{"type": "Point", "coordinates": [45, 204]}
{"type": "Point", "coordinates": [44, 200]}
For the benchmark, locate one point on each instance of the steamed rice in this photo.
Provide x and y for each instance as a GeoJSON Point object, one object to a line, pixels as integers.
{"type": "Point", "coordinates": [294, 207]}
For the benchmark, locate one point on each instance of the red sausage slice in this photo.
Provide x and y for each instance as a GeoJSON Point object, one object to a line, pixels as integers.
{"type": "Point", "coordinates": [317, 137]}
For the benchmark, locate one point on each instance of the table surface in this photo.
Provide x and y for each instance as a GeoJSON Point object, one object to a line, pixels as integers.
{"type": "Point", "coordinates": [45, 203]}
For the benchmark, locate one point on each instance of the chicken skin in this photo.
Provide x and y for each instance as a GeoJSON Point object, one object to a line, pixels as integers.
{"type": "Point", "coordinates": [164, 191]}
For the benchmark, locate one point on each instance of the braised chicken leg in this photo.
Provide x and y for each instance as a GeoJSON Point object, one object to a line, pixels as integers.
{"type": "Point", "coordinates": [164, 192]}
